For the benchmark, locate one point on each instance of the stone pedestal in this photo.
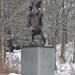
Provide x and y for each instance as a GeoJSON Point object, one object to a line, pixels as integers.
{"type": "Point", "coordinates": [38, 61]}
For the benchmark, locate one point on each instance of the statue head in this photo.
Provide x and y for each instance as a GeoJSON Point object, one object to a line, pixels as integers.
{"type": "Point", "coordinates": [34, 7]}
{"type": "Point", "coordinates": [38, 4]}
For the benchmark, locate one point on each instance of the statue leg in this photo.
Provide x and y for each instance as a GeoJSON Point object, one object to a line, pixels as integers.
{"type": "Point", "coordinates": [33, 34]}
{"type": "Point", "coordinates": [43, 37]}
{"type": "Point", "coordinates": [39, 38]}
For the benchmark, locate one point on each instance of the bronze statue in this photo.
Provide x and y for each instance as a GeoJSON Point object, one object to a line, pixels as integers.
{"type": "Point", "coordinates": [35, 21]}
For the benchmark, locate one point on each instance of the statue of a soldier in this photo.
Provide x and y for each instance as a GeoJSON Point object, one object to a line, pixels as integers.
{"type": "Point", "coordinates": [35, 22]}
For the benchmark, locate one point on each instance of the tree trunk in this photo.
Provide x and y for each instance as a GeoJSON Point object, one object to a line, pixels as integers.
{"type": "Point", "coordinates": [63, 34]}
{"type": "Point", "coordinates": [2, 39]}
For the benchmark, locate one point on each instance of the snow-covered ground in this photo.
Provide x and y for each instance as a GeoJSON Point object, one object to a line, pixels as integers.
{"type": "Point", "coordinates": [13, 62]}
{"type": "Point", "coordinates": [14, 74]}
{"type": "Point", "coordinates": [67, 68]}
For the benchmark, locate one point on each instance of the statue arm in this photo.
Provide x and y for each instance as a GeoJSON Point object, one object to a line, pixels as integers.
{"type": "Point", "coordinates": [28, 21]}
{"type": "Point", "coordinates": [41, 22]}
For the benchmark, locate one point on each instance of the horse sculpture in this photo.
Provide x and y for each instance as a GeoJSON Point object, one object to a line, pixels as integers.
{"type": "Point", "coordinates": [35, 21]}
